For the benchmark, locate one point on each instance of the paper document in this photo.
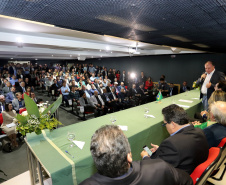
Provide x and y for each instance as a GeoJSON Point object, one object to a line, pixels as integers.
{"type": "Point", "coordinates": [79, 144]}
{"type": "Point", "coordinates": [195, 98]}
{"type": "Point", "coordinates": [11, 125]}
{"type": "Point", "coordinates": [125, 128]}
{"type": "Point", "coordinates": [185, 106]}
{"type": "Point", "coordinates": [148, 115]}
{"type": "Point", "coordinates": [187, 101]}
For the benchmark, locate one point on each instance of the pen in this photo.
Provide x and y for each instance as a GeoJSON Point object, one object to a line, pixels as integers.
{"type": "Point", "coordinates": [69, 153]}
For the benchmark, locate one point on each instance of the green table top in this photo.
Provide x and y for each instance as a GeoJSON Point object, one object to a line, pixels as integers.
{"type": "Point", "coordinates": [141, 131]}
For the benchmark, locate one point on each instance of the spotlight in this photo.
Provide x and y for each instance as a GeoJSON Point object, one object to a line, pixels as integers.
{"type": "Point", "coordinates": [132, 75]}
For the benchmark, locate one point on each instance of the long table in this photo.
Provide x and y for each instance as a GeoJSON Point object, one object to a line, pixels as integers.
{"type": "Point", "coordinates": [48, 149]}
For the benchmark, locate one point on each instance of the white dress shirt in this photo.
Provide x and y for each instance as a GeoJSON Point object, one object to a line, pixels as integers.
{"type": "Point", "coordinates": [206, 81]}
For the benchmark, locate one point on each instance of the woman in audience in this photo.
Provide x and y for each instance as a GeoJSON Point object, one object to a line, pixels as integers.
{"type": "Point", "coordinates": [8, 117]}
{"type": "Point", "coordinates": [216, 96]}
{"type": "Point", "coordinates": [28, 92]}
{"type": "Point", "coordinates": [148, 84]}
{"type": "Point", "coordinates": [118, 75]}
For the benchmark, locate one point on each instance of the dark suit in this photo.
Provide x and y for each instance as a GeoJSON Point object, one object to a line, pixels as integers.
{"type": "Point", "coordinates": [151, 172]}
{"type": "Point", "coordinates": [173, 91]}
{"type": "Point", "coordinates": [185, 150]}
{"type": "Point", "coordinates": [214, 134]}
{"type": "Point", "coordinates": [184, 88]}
{"type": "Point", "coordinates": [216, 77]}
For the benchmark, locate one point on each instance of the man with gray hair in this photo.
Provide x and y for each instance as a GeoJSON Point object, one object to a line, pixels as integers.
{"type": "Point", "coordinates": [2, 103]}
{"type": "Point", "coordinates": [216, 132]}
{"type": "Point", "coordinates": [112, 156]}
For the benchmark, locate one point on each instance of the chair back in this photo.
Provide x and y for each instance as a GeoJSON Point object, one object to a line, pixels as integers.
{"type": "Point", "coordinates": [222, 146]}
{"type": "Point", "coordinates": [204, 170]}
{"type": "Point", "coordinates": [1, 119]}
{"type": "Point", "coordinates": [22, 110]}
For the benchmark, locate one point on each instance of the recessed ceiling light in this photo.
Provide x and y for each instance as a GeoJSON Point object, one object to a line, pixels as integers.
{"type": "Point", "coordinates": [19, 40]}
{"type": "Point", "coordinates": [201, 45]}
{"type": "Point", "coordinates": [70, 55]}
{"type": "Point", "coordinates": [36, 59]}
{"type": "Point", "coordinates": [100, 49]}
{"type": "Point", "coordinates": [11, 58]}
{"type": "Point", "coordinates": [52, 55]}
{"type": "Point", "coordinates": [107, 48]}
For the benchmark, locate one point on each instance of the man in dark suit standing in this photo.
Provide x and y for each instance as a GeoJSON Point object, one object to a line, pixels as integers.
{"type": "Point", "coordinates": [216, 132]}
{"type": "Point", "coordinates": [208, 81]}
{"type": "Point", "coordinates": [185, 144]}
{"type": "Point", "coordinates": [112, 156]}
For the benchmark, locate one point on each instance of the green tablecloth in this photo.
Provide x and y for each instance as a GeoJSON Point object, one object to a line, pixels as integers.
{"type": "Point", "coordinates": [141, 131]}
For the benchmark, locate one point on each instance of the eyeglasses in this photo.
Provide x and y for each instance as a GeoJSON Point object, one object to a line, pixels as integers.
{"type": "Point", "coordinates": [164, 124]}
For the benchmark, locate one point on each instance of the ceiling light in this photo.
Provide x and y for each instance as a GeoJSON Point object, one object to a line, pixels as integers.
{"type": "Point", "coordinates": [101, 56]}
{"type": "Point", "coordinates": [201, 45]}
{"type": "Point", "coordinates": [111, 52]}
{"type": "Point", "coordinates": [177, 37]}
{"type": "Point", "coordinates": [92, 56]}
{"type": "Point", "coordinates": [100, 49]}
{"type": "Point", "coordinates": [70, 55]}
{"type": "Point", "coordinates": [11, 58]}
{"type": "Point", "coordinates": [52, 55]}
{"type": "Point", "coordinates": [107, 48]}
{"type": "Point", "coordinates": [19, 40]}
{"type": "Point", "coordinates": [36, 59]}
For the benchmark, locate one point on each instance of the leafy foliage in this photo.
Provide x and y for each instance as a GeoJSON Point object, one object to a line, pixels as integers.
{"type": "Point", "coordinates": [35, 121]}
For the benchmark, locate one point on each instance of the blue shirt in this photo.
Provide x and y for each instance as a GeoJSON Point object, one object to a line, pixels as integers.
{"type": "Point", "coordinates": [63, 89]}
{"type": "Point", "coordinates": [12, 81]}
{"type": "Point", "coordinates": [179, 130]}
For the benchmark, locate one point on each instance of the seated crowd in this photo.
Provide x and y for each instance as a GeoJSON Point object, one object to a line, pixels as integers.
{"type": "Point", "coordinates": [98, 90]}
{"type": "Point", "coordinates": [106, 90]}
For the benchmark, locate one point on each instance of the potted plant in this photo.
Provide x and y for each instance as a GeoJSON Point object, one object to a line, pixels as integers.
{"type": "Point", "coordinates": [35, 119]}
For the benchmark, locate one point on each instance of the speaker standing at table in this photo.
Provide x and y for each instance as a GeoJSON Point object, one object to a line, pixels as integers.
{"type": "Point", "coordinates": [112, 156]}
{"type": "Point", "coordinates": [186, 147]}
{"type": "Point", "coordinates": [208, 80]}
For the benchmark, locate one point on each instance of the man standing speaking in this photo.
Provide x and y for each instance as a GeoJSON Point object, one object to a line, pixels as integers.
{"type": "Point", "coordinates": [208, 81]}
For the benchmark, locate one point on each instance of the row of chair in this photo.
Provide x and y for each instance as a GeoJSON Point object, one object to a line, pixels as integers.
{"type": "Point", "coordinates": [211, 166]}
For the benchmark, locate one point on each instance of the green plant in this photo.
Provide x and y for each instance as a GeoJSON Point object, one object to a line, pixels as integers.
{"type": "Point", "coordinates": [34, 120]}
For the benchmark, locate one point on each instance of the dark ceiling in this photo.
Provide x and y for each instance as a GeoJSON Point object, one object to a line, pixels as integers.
{"type": "Point", "coordinates": [179, 23]}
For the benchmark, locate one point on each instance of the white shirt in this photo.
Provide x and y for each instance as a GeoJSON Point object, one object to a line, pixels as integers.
{"type": "Point", "coordinates": [206, 81]}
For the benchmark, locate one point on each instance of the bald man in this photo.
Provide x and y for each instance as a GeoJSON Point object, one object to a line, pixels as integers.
{"type": "Point", "coordinates": [216, 132]}
{"type": "Point", "coordinates": [208, 81]}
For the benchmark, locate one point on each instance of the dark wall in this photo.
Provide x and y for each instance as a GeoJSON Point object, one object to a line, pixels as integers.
{"type": "Point", "coordinates": [187, 67]}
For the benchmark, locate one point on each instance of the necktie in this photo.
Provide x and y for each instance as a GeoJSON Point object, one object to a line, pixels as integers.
{"type": "Point", "coordinates": [98, 100]}
{"type": "Point", "coordinates": [114, 96]}
{"type": "Point", "coordinates": [86, 102]}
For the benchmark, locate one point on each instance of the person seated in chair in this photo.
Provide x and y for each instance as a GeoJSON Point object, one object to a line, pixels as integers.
{"type": "Point", "coordinates": [112, 157]}
{"type": "Point", "coordinates": [172, 90]}
{"type": "Point", "coordinates": [18, 102]}
{"type": "Point", "coordinates": [184, 87]}
{"type": "Point", "coordinates": [11, 95]}
{"type": "Point", "coordinates": [124, 99]}
{"type": "Point", "coordinates": [216, 132]}
{"type": "Point", "coordinates": [2, 103]}
{"type": "Point", "coordinates": [74, 96]}
{"type": "Point", "coordinates": [86, 103]}
{"type": "Point", "coordinates": [9, 117]}
{"type": "Point", "coordinates": [7, 88]}
{"type": "Point", "coordinates": [114, 100]}
{"type": "Point", "coordinates": [65, 92]}
{"type": "Point", "coordinates": [100, 108]}
{"type": "Point", "coordinates": [185, 144]}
